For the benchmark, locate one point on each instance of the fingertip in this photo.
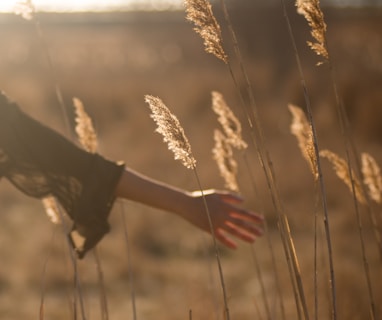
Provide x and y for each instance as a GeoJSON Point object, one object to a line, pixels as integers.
{"type": "Point", "coordinates": [225, 240]}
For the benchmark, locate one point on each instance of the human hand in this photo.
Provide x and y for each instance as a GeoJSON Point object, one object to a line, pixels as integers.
{"type": "Point", "coordinates": [227, 217]}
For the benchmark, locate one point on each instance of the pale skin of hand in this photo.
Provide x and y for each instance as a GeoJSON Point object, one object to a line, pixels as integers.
{"type": "Point", "coordinates": [230, 221]}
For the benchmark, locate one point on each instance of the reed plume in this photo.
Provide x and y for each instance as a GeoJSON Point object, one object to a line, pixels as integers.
{"type": "Point", "coordinates": [229, 122]}
{"type": "Point", "coordinates": [25, 9]}
{"type": "Point", "coordinates": [173, 134]}
{"type": "Point", "coordinates": [200, 13]}
{"type": "Point", "coordinates": [313, 14]}
{"type": "Point", "coordinates": [372, 177]}
{"type": "Point", "coordinates": [302, 130]}
{"type": "Point", "coordinates": [223, 155]}
{"type": "Point", "coordinates": [347, 175]}
{"type": "Point", "coordinates": [88, 140]}
{"type": "Point", "coordinates": [84, 127]}
{"type": "Point", "coordinates": [51, 208]}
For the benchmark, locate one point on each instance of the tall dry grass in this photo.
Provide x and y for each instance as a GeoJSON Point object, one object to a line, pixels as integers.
{"type": "Point", "coordinates": [302, 126]}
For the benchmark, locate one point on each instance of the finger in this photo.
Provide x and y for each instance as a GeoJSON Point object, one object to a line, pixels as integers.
{"type": "Point", "coordinates": [246, 215]}
{"type": "Point", "coordinates": [239, 233]}
{"type": "Point", "coordinates": [247, 227]}
{"type": "Point", "coordinates": [225, 240]}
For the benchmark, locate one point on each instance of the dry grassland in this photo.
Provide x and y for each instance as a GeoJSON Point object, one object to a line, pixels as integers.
{"type": "Point", "coordinates": [110, 61]}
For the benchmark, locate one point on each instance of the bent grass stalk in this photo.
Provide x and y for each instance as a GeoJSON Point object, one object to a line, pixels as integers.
{"type": "Point", "coordinates": [265, 161]}
{"type": "Point", "coordinates": [313, 14]}
{"type": "Point", "coordinates": [129, 263]}
{"type": "Point", "coordinates": [307, 142]}
{"type": "Point", "coordinates": [233, 129]}
{"type": "Point", "coordinates": [227, 165]}
{"type": "Point", "coordinates": [27, 10]}
{"type": "Point", "coordinates": [173, 134]}
{"type": "Point", "coordinates": [347, 175]}
{"type": "Point", "coordinates": [43, 274]}
{"type": "Point", "coordinates": [320, 182]}
{"type": "Point", "coordinates": [88, 139]}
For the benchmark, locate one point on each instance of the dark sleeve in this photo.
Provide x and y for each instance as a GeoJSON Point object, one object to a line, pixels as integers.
{"type": "Point", "coordinates": [40, 162]}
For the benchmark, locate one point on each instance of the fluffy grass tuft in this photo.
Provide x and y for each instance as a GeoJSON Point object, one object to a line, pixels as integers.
{"type": "Point", "coordinates": [52, 210]}
{"type": "Point", "coordinates": [84, 127]}
{"type": "Point", "coordinates": [25, 9]}
{"type": "Point", "coordinates": [223, 155]}
{"type": "Point", "coordinates": [171, 130]}
{"type": "Point", "coordinates": [229, 122]}
{"type": "Point", "coordinates": [312, 12]}
{"type": "Point", "coordinates": [372, 177]}
{"type": "Point", "coordinates": [200, 13]}
{"type": "Point", "coordinates": [301, 128]}
{"type": "Point", "coordinates": [342, 170]}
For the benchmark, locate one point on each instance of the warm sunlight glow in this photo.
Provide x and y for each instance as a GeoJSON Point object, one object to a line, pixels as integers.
{"type": "Point", "coordinates": [93, 5]}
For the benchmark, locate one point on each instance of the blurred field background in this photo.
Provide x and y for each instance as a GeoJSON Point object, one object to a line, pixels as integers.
{"type": "Point", "coordinates": [110, 61]}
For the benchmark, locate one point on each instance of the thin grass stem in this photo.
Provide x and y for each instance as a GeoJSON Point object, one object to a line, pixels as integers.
{"type": "Point", "coordinates": [262, 284]}
{"type": "Point", "coordinates": [129, 263]}
{"type": "Point", "coordinates": [320, 180]}
{"type": "Point", "coordinates": [217, 254]}
{"type": "Point", "coordinates": [43, 274]}
{"type": "Point", "coordinates": [101, 283]}
{"type": "Point", "coordinates": [265, 161]}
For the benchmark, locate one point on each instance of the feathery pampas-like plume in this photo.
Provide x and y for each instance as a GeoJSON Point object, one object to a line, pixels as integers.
{"type": "Point", "coordinates": [88, 139]}
{"type": "Point", "coordinates": [342, 170]}
{"type": "Point", "coordinates": [25, 9]}
{"type": "Point", "coordinates": [302, 130]}
{"type": "Point", "coordinates": [173, 134]}
{"type": "Point", "coordinates": [84, 127]}
{"type": "Point", "coordinates": [311, 11]}
{"type": "Point", "coordinates": [51, 208]}
{"type": "Point", "coordinates": [231, 125]}
{"type": "Point", "coordinates": [372, 177]}
{"type": "Point", "coordinates": [200, 13]}
{"type": "Point", "coordinates": [223, 155]}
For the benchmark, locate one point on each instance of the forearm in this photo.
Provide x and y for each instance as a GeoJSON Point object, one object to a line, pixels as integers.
{"type": "Point", "coordinates": [223, 210]}
{"type": "Point", "coordinates": [140, 188]}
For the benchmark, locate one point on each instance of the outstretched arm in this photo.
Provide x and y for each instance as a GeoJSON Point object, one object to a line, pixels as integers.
{"type": "Point", "coordinates": [227, 217]}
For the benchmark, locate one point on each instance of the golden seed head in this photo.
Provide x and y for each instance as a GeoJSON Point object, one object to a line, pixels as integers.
{"type": "Point", "coordinates": [229, 122]}
{"type": "Point", "coordinates": [223, 155]}
{"type": "Point", "coordinates": [341, 169]}
{"type": "Point", "coordinates": [25, 9]}
{"type": "Point", "coordinates": [200, 13]}
{"type": "Point", "coordinates": [372, 177]}
{"type": "Point", "coordinates": [171, 130]}
{"type": "Point", "coordinates": [84, 128]}
{"type": "Point", "coordinates": [51, 208]}
{"type": "Point", "coordinates": [302, 130]}
{"type": "Point", "coordinates": [311, 11]}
